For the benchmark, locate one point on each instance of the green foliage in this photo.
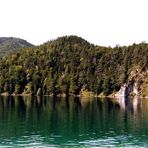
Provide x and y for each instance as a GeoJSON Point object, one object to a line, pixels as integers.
{"type": "Point", "coordinates": [69, 65]}
{"type": "Point", "coordinates": [17, 89]}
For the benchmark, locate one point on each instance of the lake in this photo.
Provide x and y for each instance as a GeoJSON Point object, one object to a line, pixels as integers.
{"type": "Point", "coordinates": [73, 122]}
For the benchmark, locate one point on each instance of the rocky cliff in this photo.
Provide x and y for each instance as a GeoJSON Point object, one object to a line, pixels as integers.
{"type": "Point", "coordinates": [137, 85]}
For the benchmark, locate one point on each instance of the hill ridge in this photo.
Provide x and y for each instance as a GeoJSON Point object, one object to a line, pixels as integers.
{"type": "Point", "coordinates": [71, 65]}
{"type": "Point", "coordinates": [11, 44]}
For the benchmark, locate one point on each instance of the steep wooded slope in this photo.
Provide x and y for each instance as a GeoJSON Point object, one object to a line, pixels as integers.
{"type": "Point", "coordinates": [70, 65]}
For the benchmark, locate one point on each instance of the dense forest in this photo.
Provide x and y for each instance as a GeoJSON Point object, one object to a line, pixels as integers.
{"type": "Point", "coordinates": [11, 44]}
{"type": "Point", "coordinates": [70, 65]}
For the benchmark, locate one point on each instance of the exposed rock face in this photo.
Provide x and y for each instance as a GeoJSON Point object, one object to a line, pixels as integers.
{"type": "Point", "coordinates": [135, 89]}
{"type": "Point", "coordinates": [137, 84]}
{"type": "Point", "coordinates": [127, 89]}
{"type": "Point", "coordinates": [121, 92]}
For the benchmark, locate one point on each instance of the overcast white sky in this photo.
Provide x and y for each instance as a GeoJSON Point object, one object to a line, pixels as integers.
{"type": "Point", "coordinates": [103, 22]}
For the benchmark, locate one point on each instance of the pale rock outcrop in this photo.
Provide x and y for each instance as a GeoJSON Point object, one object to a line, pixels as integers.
{"type": "Point", "coordinates": [127, 89]}
{"type": "Point", "coordinates": [121, 92]}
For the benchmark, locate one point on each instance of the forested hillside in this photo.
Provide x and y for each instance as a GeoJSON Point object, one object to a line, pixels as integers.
{"type": "Point", "coordinates": [10, 44]}
{"type": "Point", "coordinates": [70, 65]}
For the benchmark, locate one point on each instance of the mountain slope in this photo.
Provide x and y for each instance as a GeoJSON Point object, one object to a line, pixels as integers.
{"type": "Point", "coordinates": [71, 65]}
{"type": "Point", "coordinates": [10, 44]}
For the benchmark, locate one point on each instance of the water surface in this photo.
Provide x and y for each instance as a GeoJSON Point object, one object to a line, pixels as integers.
{"type": "Point", "coordinates": [73, 122]}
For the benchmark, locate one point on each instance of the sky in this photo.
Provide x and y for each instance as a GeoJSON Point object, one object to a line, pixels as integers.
{"type": "Point", "coordinates": [102, 22]}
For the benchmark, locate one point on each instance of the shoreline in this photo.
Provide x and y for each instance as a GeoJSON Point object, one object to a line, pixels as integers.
{"type": "Point", "coordinates": [6, 94]}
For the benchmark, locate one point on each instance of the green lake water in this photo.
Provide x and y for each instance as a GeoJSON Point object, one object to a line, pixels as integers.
{"type": "Point", "coordinates": [73, 122]}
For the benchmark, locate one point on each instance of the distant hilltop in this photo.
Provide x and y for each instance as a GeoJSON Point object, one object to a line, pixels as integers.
{"type": "Point", "coordinates": [11, 44]}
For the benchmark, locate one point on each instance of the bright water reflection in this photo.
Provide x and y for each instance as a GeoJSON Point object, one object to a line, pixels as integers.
{"type": "Point", "coordinates": [68, 122]}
